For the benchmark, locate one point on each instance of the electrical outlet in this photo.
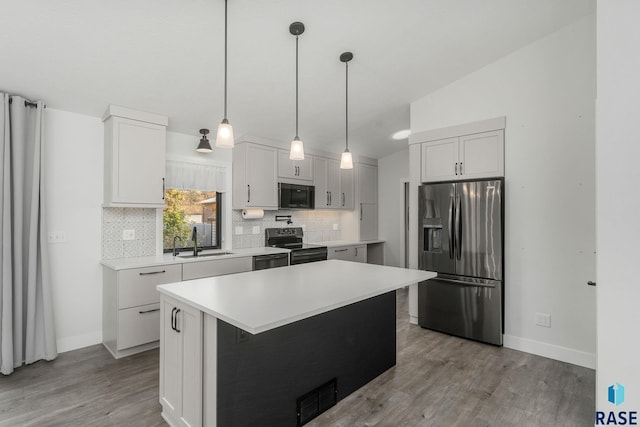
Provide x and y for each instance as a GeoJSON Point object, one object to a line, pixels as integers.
{"type": "Point", "coordinates": [129, 234]}
{"type": "Point", "coordinates": [335, 226]}
{"type": "Point", "coordinates": [239, 230]}
{"type": "Point", "coordinates": [256, 229]}
{"type": "Point", "coordinates": [57, 236]}
{"type": "Point", "coordinates": [542, 319]}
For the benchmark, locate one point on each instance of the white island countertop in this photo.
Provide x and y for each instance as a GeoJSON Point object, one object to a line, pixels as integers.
{"type": "Point", "coordinates": [258, 301]}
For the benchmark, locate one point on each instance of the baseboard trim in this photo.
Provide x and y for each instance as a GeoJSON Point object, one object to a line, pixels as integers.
{"type": "Point", "coordinates": [78, 341]}
{"type": "Point", "coordinates": [556, 352]}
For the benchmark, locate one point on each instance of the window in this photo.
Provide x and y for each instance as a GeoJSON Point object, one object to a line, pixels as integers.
{"type": "Point", "coordinates": [187, 209]}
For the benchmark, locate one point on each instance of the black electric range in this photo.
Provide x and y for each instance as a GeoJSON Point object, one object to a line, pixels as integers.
{"type": "Point", "coordinates": [291, 238]}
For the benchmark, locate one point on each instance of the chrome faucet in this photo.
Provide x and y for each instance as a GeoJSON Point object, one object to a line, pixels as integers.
{"type": "Point", "coordinates": [175, 251]}
{"type": "Point", "coordinates": [194, 238]}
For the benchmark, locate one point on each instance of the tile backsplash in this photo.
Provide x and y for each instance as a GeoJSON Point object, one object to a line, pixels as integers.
{"type": "Point", "coordinates": [116, 220]}
{"type": "Point", "coordinates": [318, 226]}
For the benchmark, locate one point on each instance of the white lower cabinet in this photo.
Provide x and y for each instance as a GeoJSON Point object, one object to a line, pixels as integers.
{"type": "Point", "coordinates": [180, 363]}
{"type": "Point", "coordinates": [130, 307]}
{"type": "Point", "coordinates": [356, 253]}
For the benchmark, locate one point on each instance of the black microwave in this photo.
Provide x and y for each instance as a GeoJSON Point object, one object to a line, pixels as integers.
{"type": "Point", "coordinates": [295, 196]}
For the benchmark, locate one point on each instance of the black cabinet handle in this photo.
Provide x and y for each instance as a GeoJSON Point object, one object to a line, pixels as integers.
{"type": "Point", "coordinates": [163, 190]}
{"type": "Point", "coordinates": [149, 311]}
{"type": "Point", "coordinates": [340, 250]}
{"type": "Point", "coordinates": [248, 193]}
{"type": "Point", "coordinates": [176, 325]}
{"type": "Point", "coordinates": [173, 318]}
{"type": "Point", "coordinates": [591, 283]}
{"type": "Point", "coordinates": [152, 272]}
{"type": "Point", "coordinates": [460, 168]}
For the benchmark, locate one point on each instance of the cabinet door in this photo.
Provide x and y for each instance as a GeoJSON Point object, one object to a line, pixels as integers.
{"type": "Point", "coordinates": [261, 170]}
{"type": "Point", "coordinates": [320, 182]}
{"type": "Point", "coordinates": [360, 253]}
{"type": "Point", "coordinates": [368, 183]}
{"type": "Point", "coordinates": [482, 155]}
{"type": "Point", "coordinates": [170, 361]}
{"type": "Point", "coordinates": [295, 169]}
{"type": "Point", "coordinates": [368, 221]}
{"type": "Point", "coordinates": [137, 162]}
{"type": "Point", "coordinates": [440, 160]}
{"type": "Point", "coordinates": [346, 189]}
{"type": "Point", "coordinates": [333, 184]}
{"type": "Point", "coordinates": [180, 363]}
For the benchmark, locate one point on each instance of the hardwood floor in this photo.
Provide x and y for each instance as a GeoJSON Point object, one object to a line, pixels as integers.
{"type": "Point", "coordinates": [439, 380]}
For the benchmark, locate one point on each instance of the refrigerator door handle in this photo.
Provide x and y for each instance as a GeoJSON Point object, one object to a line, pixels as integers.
{"type": "Point", "coordinates": [451, 214]}
{"type": "Point", "coordinates": [458, 230]}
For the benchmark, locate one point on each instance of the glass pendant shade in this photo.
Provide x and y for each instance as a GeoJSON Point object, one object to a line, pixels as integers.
{"type": "Point", "coordinates": [224, 138]}
{"type": "Point", "coordinates": [346, 161]}
{"type": "Point", "coordinates": [296, 152]}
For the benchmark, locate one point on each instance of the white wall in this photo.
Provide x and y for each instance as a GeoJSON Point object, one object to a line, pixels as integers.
{"type": "Point", "coordinates": [546, 91]}
{"type": "Point", "coordinates": [73, 162]}
{"type": "Point", "coordinates": [393, 172]}
{"type": "Point", "coordinates": [618, 227]}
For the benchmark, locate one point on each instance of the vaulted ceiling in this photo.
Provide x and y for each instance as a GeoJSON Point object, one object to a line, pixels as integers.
{"type": "Point", "coordinates": [166, 56]}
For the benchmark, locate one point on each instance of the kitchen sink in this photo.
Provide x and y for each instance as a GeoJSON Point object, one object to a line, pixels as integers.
{"type": "Point", "coordinates": [205, 255]}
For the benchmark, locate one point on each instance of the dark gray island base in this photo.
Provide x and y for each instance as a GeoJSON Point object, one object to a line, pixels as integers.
{"type": "Point", "coordinates": [272, 378]}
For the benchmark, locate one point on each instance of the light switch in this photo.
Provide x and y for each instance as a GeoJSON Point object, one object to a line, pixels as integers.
{"type": "Point", "coordinates": [256, 229]}
{"type": "Point", "coordinates": [57, 236]}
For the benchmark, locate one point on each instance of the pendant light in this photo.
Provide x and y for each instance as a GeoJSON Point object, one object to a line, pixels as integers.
{"type": "Point", "coordinates": [204, 146]}
{"type": "Point", "coordinates": [297, 148]}
{"type": "Point", "coordinates": [346, 161]}
{"type": "Point", "coordinates": [224, 138]}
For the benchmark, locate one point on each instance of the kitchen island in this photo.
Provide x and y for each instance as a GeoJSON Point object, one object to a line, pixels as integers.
{"type": "Point", "coordinates": [278, 346]}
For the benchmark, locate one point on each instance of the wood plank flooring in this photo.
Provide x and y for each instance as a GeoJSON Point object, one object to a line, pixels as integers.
{"type": "Point", "coordinates": [438, 381]}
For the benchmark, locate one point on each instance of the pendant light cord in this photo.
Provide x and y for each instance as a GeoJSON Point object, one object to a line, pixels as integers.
{"type": "Point", "coordinates": [297, 137]}
{"type": "Point", "coordinates": [346, 107]}
{"type": "Point", "coordinates": [225, 59]}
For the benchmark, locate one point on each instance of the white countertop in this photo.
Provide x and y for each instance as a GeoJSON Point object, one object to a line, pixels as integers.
{"type": "Point", "coordinates": [338, 243]}
{"type": "Point", "coordinates": [166, 259]}
{"type": "Point", "coordinates": [258, 301]}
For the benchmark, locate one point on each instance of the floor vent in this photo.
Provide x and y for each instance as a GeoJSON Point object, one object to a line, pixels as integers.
{"type": "Point", "coordinates": [318, 400]}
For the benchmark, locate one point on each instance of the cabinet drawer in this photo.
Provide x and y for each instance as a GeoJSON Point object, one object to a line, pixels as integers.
{"type": "Point", "coordinates": [344, 253]}
{"type": "Point", "coordinates": [138, 325]}
{"type": "Point", "coordinates": [137, 286]}
{"type": "Point", "coordinates": [197, 270]}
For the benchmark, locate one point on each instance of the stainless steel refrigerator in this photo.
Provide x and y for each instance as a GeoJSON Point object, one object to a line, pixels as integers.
{"type": "Point", "coordinates": [461, 238]}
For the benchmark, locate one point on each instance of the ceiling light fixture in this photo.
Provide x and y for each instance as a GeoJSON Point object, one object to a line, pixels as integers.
{"type": "Point", "coordinates": [401, 134]}
{"type": "Point", "coordinates": [346, 161]}
{"type": "Point", "coordinates": [224, 138]}
{"type": "Point", "coordinates": [297, 148]}
{"type": "Point", "coordinates": [204, 146]}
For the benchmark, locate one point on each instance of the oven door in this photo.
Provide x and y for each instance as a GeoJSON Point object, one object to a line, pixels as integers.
{"type": "Point", "coordinates": [308, 255]}
{"type": "Point", "coordinates": [294, 196]}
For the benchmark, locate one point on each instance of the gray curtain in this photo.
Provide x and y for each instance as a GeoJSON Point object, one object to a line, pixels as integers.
{"type": "Point", "coordinates": [27, 332]}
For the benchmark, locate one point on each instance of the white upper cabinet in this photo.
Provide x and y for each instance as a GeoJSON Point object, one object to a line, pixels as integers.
{"type": "Point", "coordinates": [255, 169]}
{"type": "Point", "coordinates": [346, 188]}
{"type": "Point", "coordinates": [299, 170]}
{"type": "Point", "coordinates": [473, 156]}
{"type": "Point", "coordinates": [134, 152]}
{"type": "Point", "coordinates": [326, 179]}
{"type": "Point", "coordinates": [482, 155]}
{"type": "Point", "coordinates": [368, 183]}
